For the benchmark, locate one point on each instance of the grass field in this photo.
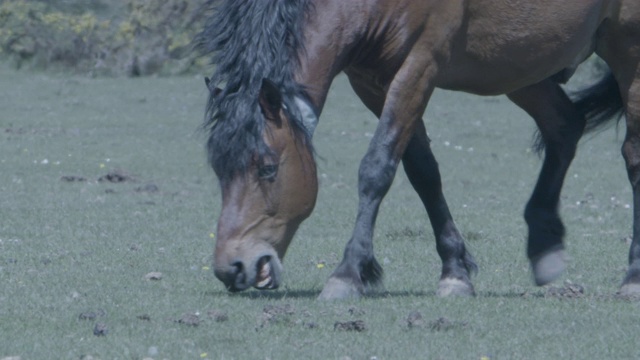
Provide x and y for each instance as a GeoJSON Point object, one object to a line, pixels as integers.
{"type": "Point", "coordinates": [75, 250]}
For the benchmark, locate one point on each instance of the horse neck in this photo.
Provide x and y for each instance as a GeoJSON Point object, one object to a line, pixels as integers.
{"type": "Point", "coordinates": [326, 48]}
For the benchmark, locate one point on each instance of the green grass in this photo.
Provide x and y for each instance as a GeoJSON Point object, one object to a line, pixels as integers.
{"type": "Point", "coordinates": [70, 248]}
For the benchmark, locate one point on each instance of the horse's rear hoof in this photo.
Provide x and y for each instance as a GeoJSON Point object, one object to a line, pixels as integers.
{"type": "Point", "coordinates": [454, 287]}
{"type": "Point", "coordinates": [338, 289]}
{"type": "Point", "coordinates": [631, 290]}
{"type": "Point", "coordinates": [548, 267]}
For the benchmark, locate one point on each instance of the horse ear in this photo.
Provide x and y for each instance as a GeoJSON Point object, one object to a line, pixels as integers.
{"type": "Point", "coordinates": [215, 91]}
{"type": "Point", "coordinates": [270, 99]}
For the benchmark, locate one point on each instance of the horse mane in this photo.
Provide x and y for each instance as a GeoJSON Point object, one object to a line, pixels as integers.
{"type": "Point", "coordinates": [248, 41]}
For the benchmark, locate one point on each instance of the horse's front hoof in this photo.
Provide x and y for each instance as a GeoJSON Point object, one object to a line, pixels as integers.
{"type": "Point", "coordinates": [548, 267]}
{"type": "Point", "coordinates": [339, 289]}
{"type": "Point", "coordinates": [631, 290]}
{"type": "Point", "coordinates": [454, 287]}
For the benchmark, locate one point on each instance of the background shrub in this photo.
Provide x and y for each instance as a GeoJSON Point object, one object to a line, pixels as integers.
{"type": "Point", "coordinates": [125, 37]}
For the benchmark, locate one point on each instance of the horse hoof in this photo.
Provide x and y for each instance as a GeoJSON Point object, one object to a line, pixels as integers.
{"type": "Point", "coordinates": [629, 290]}
{"type": "Point", "coordinates": [454, 287]}
{"type": "Point", "coordinates": [549, 267]}
{"type": "Point", "coordinates": [338, 289]}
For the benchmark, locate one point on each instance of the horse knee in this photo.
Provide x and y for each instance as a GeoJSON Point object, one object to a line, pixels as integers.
{"type": "Point", "coordinates": [375, 177]}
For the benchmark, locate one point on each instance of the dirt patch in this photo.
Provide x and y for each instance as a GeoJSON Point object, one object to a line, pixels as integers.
{"type": "Point", "coordinates": [568, 291]}
{"type": "Point", "coordinates": [444, 324]}
{"type": "Point", "coordinates": [73, 178]}
{"type": "Point", "coordinates": [189, 319]}
{"type": "Point", "coordinates": [100, 329]}
{"type": "Point", "coordinates": [116, 177]}
{"type": "Point", "coordinates": [154, 275]}
{"type": "Point", "coordinates": [276, 310]}
{"type": "Point", "coordinates": [354, 311]}
{"type": "Point", "coordinates": [415, 320]}
{"type": "Point", "coordinates": [218, 315]}
{"type": "Point", "coordinates": [148, 188]}
{"type": "Point", "coordinates": [356, 325]}
{"type": "Point", "coordinates": [144, 317]}
{"type": "Point", "coordinates": [310, 325]}
{"type": "Point", "coordinates": [276, 314]}
{"type": "Point", "coordinates": [285, 315]}
{"type": "Point", "coordinates": [92, 314]}
{"type": "Point", "coordinates": [17, 131]}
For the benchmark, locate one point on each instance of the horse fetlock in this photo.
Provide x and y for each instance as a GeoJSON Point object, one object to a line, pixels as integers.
{"type": "Point", "coordinates": [470, 263]}
{"type": "Point", "coordinates": [549, 266]}
{"type": "Point", "coordinates": [371, 273]}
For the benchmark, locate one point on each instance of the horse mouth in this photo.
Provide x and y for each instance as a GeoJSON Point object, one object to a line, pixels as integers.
{"type": "Point", "coordinates": [265, 274]}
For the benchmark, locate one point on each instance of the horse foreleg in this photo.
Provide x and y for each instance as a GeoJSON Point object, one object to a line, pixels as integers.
{"type": "Point", "coordinates": [423, 173]}
{"type": "Point", "coordinates": [422, 170]}
{"type": "Point", "coordinates": [402, 109]}
{"type": "Point", "coordinates": [561, 126]}
{"type": "Point", "coordinates": [359, 269]}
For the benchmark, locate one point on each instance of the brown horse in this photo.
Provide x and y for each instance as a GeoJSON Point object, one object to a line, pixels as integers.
{"type": "Point", "coordinates": [276, 60]}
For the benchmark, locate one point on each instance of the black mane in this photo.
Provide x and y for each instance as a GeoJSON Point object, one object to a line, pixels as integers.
{"type": "Point", "coordinates": [248, 40]}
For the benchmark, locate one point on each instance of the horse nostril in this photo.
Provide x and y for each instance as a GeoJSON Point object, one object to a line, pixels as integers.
{"type": "Point", "coordinates": [238, 266]}
{"type": "Point", "coordinates": [239, 276]}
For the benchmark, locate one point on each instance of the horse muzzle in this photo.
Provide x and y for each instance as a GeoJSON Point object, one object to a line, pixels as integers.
{"type": "Point", "coordinates": [262, 272]}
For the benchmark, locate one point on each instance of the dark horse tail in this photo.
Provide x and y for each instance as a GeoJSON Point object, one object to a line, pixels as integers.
{"type": "Point", "coordinates": [599, 104]}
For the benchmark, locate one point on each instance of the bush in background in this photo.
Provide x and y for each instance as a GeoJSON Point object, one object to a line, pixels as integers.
{"type": "Point", "coordinates": [141, 37]}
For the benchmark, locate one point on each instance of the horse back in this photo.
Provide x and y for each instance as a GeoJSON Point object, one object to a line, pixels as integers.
{"type": "Point", "coordinates": [479, 46]}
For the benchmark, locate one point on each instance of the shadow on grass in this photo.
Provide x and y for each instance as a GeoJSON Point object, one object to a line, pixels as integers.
{"type": "Point", "coordinates": [556, 293]}
{"type": "Point", "coordinates": [383, 294]}
{"type": "Point", "coordinates": [313, 294]}
{"type": "Point", "coordinates": [268, 294]}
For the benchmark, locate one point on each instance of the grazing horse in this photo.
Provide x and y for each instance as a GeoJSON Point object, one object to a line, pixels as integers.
{"type": "Point", "coordinates": [275, 60]}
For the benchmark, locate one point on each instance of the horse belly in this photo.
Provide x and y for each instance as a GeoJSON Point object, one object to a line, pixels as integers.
{"type": "Point", "coordinates": [507, 45]}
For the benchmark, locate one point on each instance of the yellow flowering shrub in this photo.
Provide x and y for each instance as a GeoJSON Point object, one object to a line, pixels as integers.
{"type": "Point", "coordinates": [146, 37]}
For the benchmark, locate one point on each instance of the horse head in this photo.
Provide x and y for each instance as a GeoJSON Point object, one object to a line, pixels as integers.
{"type": "Point", "coordinates": [263, 205]}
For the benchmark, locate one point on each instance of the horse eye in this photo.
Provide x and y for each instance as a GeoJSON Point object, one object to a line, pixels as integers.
{"type": "Point", "coordinates": [268, 172]}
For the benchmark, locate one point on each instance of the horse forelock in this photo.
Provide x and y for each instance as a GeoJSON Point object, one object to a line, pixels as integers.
{"type": "Point", "coordinates": [248, 41]}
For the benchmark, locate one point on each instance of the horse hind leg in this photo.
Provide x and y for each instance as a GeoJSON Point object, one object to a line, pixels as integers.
{"type": "Point", "coordinates": [631, 153]}
{"type": "Point", "coordinates": [561, 125]}
{"type": "Point", "coordinates": [422, 170]}
{"type": "Point", "coordinates": [620, 49]}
